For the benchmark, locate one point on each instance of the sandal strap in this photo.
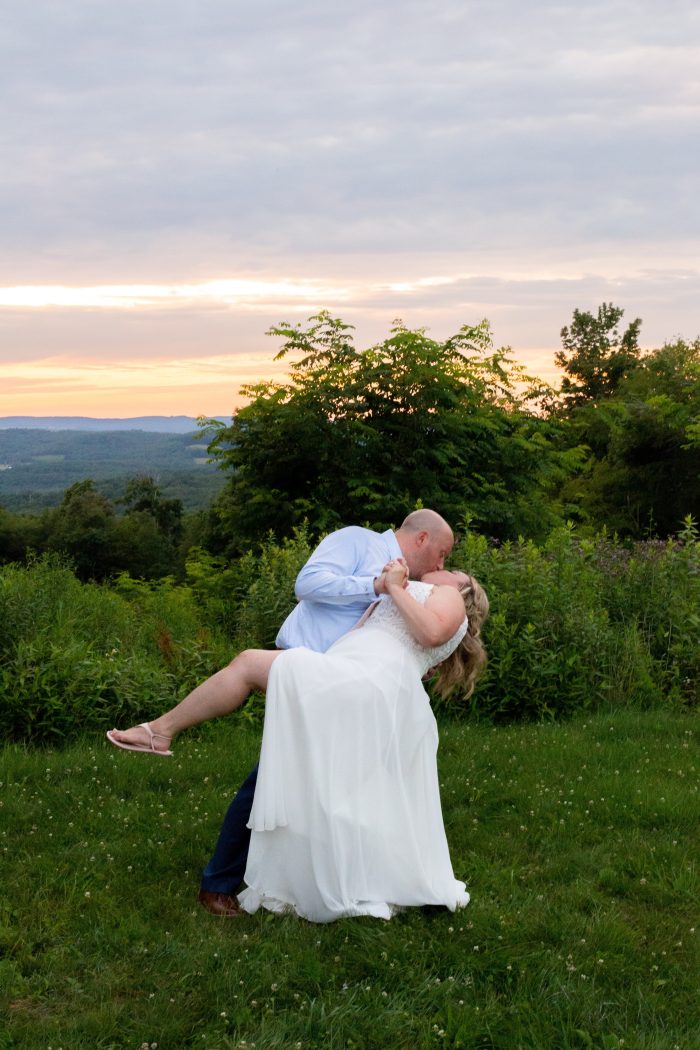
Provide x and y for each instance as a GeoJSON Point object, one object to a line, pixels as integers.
{"type": "Point", "coordinates": [152, 735]}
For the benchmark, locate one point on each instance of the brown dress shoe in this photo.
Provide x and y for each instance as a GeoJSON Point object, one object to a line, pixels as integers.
{"type": "Point", "coordinates": [221, 904]}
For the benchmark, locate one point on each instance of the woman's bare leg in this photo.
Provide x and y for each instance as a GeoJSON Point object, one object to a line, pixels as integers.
{"type": "Point", "coordinates": [219, 695]}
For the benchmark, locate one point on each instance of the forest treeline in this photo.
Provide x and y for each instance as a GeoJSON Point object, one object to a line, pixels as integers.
{"type": "Point", "coordinates": [365, 436]}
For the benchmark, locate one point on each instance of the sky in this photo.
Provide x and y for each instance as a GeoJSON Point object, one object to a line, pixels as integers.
{"type": "Point", "coordinates": [177, 176]}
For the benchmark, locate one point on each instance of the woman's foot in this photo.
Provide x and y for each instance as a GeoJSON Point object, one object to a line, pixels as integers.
{"type": "Point", "coordinates": [140, 738]}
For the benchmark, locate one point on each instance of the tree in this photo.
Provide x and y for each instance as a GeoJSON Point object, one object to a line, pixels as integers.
{"type": "Point", "coordinates": [147, 536]}
{"type": "Point", "coordinates": [646, 476]}
{"type": "Point", "coordinates": [366, 436]}
{"type": "Point", "coordinates": [596, 357]}
{"type": "Point", "coordinates": [144, 496]}
{"type": "Point", "coordinates": [82, 527]}
{"type": "Point", "coordinates": [14, 536]}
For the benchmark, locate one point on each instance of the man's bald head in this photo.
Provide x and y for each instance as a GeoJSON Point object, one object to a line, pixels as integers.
{"type": "Point", "coordinates": [425, 540]}
{"type": "Point", "coordinates": [426, 519]}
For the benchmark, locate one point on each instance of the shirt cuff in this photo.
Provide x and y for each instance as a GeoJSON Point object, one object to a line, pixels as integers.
{"type": "Point", "coordinates": [369, 585]}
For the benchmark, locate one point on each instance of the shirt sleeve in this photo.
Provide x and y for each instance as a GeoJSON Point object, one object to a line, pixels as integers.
{"type": "Point", "coordinates": [331, 573]}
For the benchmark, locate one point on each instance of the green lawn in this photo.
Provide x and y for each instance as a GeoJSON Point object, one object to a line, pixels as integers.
{"type": "Point", "coordinates": [579, 843]}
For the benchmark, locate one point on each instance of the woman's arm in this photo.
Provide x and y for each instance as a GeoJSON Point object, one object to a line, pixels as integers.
{"type": "Point", "coordinates": [436, 621]}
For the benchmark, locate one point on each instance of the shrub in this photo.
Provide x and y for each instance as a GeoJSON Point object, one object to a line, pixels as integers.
{"type": "Point", "coordinates": [250, 597]}
{"type": "Point", "coordinates": [83, 656]}
{"type": "Point", "coordinates": [577, 624]}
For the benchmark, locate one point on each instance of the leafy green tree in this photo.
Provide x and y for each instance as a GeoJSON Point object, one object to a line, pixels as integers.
{"type": "Point", "coordinates": [646, 475]}
{"type": "Point", "coordinates": [139, 548]}
{"type": "Point", "coordinates": [145, 497]}
{"type": "Point", "coordinates": [82, 527]}
{"type": "Point", "coordinates": [13, 537]}
{"type": "Point", "coordinates": [596, 357]}
{"type": "Point", "coordinates": [100, 544]}
{"type": "Point", "coordinates": [366, 436]}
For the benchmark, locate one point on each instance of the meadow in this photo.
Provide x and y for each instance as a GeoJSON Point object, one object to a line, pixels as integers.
{"type": "Point", "coordinates": [578, 841]}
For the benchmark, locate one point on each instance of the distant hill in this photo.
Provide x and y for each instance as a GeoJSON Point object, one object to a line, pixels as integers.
{"type": "Point", "coordinates": [38, 464]}
{"type": "Point", "coordinates": [152, 424]}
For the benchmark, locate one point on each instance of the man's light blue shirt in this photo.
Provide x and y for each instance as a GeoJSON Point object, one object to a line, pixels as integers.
{"type": "Point", "coordinates": [336, 586]}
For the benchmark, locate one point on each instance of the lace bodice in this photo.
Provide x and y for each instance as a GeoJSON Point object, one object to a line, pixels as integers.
{"type": "Point", "coordinates": [386, 617]}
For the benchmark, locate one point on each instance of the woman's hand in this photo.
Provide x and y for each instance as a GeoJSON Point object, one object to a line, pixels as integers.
{"type": "Point", "coordinates": [396, 573]}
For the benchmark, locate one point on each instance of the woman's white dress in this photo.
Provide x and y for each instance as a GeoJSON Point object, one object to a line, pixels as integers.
{"type": "Point", "coordinates": [346, 818]}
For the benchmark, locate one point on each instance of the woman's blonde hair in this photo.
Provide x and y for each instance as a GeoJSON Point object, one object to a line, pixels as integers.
{"type": "Point", "coordinates": [462, 668]}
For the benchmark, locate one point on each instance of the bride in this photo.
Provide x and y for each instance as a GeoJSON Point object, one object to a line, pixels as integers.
{"type": "Point", "coordinates": [346, 818]}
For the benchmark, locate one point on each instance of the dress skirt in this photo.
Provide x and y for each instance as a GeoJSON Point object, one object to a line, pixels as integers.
{"type": "Point", "coordinates": [346, 818]}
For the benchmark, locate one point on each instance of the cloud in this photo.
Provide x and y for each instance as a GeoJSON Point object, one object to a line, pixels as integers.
{"type": "Point", "coordinates": [314, 128]}
{"type": "Point", "coordinates": [224, 292]}
{"type": "Point", "coordinates": [535, 157]}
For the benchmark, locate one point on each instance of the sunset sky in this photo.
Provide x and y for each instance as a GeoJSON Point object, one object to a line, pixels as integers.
{"type": "Point", "coordinates": [179, 175]}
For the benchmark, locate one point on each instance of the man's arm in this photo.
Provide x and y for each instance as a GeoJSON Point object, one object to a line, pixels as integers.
{"type": "Point", "coordinates": [330, 574]}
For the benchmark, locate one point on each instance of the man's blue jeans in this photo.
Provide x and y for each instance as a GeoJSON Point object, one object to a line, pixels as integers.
{"type": "Point", "coordinates": [224, 872]}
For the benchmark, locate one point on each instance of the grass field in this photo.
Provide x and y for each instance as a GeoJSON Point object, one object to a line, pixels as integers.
{"type": "Point", "coordinates": [579, 843]}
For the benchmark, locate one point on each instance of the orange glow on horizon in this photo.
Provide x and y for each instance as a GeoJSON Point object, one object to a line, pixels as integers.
{"type": "Point", "coordinates": [58, 325]}
{"type": "Point", "coordinates": [208, 386]}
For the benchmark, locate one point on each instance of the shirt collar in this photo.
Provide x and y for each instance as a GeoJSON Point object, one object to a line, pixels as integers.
{"type": "Point", "coordinates": [392, 543]}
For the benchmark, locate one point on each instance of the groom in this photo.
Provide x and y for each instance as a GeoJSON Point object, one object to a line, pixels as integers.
{"type": "Point", "coordinates": [340, 580]}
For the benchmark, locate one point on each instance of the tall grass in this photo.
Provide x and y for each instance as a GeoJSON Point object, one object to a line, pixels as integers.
{"type": "Point", "coordinates": [75, 656]}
